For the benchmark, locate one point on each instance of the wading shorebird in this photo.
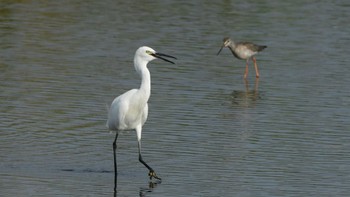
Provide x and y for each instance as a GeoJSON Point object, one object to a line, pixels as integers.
{"type": "Point", "coordinates": [243, 51]}
{"type": "Point", "coordinates": [129, 111]}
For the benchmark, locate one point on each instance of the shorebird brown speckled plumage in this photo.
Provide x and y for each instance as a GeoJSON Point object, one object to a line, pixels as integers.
{"type": "Point", "coordinates": [244, 51]}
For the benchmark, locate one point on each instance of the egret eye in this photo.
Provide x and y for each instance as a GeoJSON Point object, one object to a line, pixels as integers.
{"type": "Point", "coordinates": [149, 52]}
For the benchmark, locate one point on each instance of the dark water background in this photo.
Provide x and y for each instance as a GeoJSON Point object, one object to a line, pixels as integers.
{"type": "Point", "coordinates": [209, 132]}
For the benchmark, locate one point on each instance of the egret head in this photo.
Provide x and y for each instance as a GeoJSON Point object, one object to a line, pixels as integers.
{"type": "Point", "coordinates": [148, 54]}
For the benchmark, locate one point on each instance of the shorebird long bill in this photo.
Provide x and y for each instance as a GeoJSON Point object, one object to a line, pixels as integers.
{"type": "Point", "coordinates": [162, 55]}
{"type": "Point", "coordinates": [220, 49]}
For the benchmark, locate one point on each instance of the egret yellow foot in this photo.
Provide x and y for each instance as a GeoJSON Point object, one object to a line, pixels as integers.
{"type": "Point", "coordinates": [153, 174]}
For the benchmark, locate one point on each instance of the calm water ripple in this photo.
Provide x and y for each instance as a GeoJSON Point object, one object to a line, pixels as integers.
{"type": "Point", "coordinates": [209, 132]}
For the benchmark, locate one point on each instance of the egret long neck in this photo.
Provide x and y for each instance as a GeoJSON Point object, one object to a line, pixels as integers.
{"type": "Point", "coordinates": [141, 68]}
{"type": "Point", "coordinates": [145, 86]}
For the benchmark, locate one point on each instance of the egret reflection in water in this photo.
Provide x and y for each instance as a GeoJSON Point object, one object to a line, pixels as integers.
{"type": "Point", "coordinates": [143, 190]}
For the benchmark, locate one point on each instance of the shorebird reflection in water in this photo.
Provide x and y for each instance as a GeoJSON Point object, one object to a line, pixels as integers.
{"type": "Point", "coordinates": [246, 98]}
{"type": "Point", "coordinates": [244, 51]}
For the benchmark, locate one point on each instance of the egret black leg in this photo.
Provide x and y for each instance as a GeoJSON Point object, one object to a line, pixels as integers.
{"type": "Point", "coordinates": [151, 171]}
{"type": "Point", "coordinates": [115, 161]}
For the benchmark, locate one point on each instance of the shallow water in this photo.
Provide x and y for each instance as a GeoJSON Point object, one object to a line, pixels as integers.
{"type": "Point", "coordinates": [209, 132]}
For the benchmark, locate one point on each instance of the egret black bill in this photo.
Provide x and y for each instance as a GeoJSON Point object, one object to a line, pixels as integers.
{"type": "Point", "coordinates": [162, 55]}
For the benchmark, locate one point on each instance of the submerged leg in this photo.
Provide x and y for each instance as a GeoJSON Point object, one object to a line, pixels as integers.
{"type": "Point", "coordinates": [115, 160]}
{"type": "Point", "coordinates": [246, 69]}
{"type": "Point", "coordinates": [151, 171]}
{"type": "Point", "coordinates": [256, 68]}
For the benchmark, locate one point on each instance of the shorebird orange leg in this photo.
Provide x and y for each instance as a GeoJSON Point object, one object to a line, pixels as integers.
{"type": "Point", "coordinates": [246, 69]}
{"type": "Point", "coordinates": [256, 68]}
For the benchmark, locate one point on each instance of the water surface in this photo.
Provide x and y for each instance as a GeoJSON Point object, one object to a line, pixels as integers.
{"type": "Point", "coordinates": [209, 132]}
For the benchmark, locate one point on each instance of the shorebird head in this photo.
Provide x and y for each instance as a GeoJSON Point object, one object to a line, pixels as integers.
{"type": "Point", "coordinates": [227, 41]}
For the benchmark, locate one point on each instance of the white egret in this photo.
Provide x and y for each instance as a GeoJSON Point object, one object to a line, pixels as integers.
{"type": "Point", "coordinates": [129, 111]}
{"type": "Point", "coordinates": [244, 51]}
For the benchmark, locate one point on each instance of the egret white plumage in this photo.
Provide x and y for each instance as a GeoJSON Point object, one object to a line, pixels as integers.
{"type": "Point", "coordinates": [129, 111]}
